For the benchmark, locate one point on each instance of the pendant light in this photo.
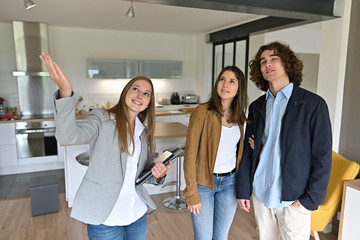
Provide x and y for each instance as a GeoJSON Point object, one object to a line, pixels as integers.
{"type": "Point", "coordinates": [29, 4]}
{"type": "Point", "coordinates": [130, 13]}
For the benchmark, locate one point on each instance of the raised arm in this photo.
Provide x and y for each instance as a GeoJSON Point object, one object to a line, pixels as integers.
{"type": "Point", "coordinates": [57, 75]}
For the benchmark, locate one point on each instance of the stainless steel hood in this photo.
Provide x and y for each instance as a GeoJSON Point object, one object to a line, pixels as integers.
{"type": "Point", "coordinates": [35, 88]}
{"type": "Point", "coordinates": [30, 40]}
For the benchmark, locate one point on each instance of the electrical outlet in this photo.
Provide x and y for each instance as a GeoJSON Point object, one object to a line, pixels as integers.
{"type": "Point", "coordinates": [338, 216]}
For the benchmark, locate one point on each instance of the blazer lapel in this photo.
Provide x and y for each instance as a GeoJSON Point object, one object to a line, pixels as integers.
{"type": "Point", "coordinates": [143, 154]}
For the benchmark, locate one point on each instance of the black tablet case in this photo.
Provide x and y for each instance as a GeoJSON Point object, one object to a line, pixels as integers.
{"type": "Point", "coordinates": [165, 157]}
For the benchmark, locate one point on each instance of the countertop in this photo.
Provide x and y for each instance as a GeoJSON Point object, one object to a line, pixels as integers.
{"type": "Point", "coordinates": [170, 130]}
{"type": "Point", "coordinates": [80, 116]}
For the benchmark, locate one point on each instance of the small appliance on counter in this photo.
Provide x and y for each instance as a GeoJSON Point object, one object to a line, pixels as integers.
{"type": "Point", "coordinates": [175, 98]}
{"type": "Point", "coordinates": [190, 99]}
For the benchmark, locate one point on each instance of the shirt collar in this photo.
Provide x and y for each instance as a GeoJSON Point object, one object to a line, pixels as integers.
{"type": "Point", "coordinates": [139, 127]}
{"type": "Point", "coordinates": [286, 91]}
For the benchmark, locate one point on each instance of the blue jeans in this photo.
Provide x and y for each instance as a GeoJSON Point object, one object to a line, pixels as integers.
{"type": "Point", "coordinates": [134, 231]}
{"type": "Point", "coordinates": [217, 209]}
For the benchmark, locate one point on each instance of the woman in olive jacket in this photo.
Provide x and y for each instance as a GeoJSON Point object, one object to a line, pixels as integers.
{"type": "Point", "coordinates": [213, 150]}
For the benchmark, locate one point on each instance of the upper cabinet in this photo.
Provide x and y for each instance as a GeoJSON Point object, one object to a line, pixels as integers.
{"type": "Point", "coordinates": [160, 69]}
{"type": "Point", "coordinates": [110, 68]}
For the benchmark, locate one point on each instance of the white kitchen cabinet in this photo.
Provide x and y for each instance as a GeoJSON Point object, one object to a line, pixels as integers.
{"type": "Point", "coordinates": [8, 155]}
{"type": "Point", "coordinates": [74, 171]}
{"type": "Point", "coordinates": [7, 135]}
{"type": "Point", "coordinates": [183, 118]}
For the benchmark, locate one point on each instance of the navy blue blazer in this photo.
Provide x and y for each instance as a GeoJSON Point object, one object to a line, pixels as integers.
{"type": "Point", "coordinates": [306, 149]}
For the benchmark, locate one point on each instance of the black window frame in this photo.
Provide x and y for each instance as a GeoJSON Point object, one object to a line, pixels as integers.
{"type": "Point", "coordinates": [223, 43]}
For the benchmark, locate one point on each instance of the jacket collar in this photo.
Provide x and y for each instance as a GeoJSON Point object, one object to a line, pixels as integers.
{"type": "Point", "coordinates": [296, 98]}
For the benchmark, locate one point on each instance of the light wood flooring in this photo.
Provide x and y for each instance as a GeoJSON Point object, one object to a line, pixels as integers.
{"type": "Point", "coordinates": [16, 223]}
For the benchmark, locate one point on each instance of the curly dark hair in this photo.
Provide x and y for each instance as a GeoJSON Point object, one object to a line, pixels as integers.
{"type": "Point", "coordinates": [293, 66]}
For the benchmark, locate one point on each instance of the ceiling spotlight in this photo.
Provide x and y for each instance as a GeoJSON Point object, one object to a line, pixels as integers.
{"type": "Point", "coordinates": [29, 4]}
{"type": "Point", "coordinates": [130, 13]}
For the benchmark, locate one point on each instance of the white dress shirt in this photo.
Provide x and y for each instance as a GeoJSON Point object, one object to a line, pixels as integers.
{"type": "Point", "coordinates": [129, 206]}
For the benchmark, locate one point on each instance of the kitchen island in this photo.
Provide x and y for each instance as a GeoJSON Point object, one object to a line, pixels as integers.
{"type": "Point", "coordinates": [167, 135]}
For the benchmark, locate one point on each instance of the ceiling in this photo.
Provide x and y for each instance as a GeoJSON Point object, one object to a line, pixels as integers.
{"type": "Point", "coordinates": [110, 14]}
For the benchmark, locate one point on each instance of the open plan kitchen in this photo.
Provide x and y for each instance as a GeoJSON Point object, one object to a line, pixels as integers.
{"type": "Point", "coordinates": [182, 46]}
{"type": "Point", "coordinates": [28, 142]}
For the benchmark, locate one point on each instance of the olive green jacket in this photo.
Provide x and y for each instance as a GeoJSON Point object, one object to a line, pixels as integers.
{"type": "Point", "coordinates": [202, 142]}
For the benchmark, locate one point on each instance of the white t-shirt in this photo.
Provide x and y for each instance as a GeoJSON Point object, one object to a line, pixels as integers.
{"type": "Point", "coordinates": [226, 154]}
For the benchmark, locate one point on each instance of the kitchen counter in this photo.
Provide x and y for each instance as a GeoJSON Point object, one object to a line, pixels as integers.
{"type": "Point", "coordinates": [80, 116]}
{"type": "Point", "coordinates": [170, 130]}
{"type": "Point", "coordinates": [167, 130]}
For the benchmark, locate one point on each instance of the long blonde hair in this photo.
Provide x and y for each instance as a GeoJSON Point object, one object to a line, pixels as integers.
{"type": "Point", "coordinates": [122, 118]}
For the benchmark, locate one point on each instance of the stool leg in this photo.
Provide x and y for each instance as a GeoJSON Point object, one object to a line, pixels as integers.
{"type": "Point", "coordinates": [176, 202]}
{"type": "Point", "coordinates": [178, 176]}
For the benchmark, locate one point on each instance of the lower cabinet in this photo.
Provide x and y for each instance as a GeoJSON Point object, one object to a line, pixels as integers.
{"type": "Point", "coordinates": [8, 155]}
{"type": "Point", "coordinates": [74, 171]}
{"type": "Point", "coordinates": [183, 118]}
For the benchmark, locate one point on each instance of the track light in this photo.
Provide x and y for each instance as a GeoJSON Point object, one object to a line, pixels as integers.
{"type": "Point", "coordinates": [130, 13]}
{"type": "Point", "coordinates": [29, 4]}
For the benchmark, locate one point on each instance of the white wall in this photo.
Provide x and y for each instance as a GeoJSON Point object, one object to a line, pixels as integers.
{"type": "Point", "coordinates": [70, 48]}
{"type": "Point", "coordinates": [332, 65]}
{"type": "Point", "coordinates": [303, 39]}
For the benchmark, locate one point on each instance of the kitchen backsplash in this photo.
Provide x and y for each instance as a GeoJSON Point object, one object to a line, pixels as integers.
{"type": "Point", "coordinates": [96, 100]}
{"type": "Point", "coordinates": [11, 100]}
{"type": "Point", "coordinates": [164, 98]}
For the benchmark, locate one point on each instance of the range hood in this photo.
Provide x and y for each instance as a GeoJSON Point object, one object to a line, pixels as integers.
{"type": "Point", "coordinates": [35, 88]}
{"type": "Point", "coordinates": [30, 40]}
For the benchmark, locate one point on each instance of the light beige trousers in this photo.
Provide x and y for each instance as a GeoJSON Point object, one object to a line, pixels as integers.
{"type": "Point", "coordinates": [286, 223]}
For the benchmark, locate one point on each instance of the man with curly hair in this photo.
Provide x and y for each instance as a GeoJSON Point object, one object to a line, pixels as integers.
{"type": "Point", "coordinates": [286, 164]}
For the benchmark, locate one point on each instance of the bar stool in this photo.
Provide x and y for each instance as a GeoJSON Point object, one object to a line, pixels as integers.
{"type": "Point", "coordinates": [177, 201]}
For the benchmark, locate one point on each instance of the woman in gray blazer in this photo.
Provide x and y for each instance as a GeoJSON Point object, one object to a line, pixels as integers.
{"type": "Point", "coordinates": [120, 147]}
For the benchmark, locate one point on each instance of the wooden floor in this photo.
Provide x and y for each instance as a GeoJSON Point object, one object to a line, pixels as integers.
{"type": "Point", "coordinates": [16, 223]}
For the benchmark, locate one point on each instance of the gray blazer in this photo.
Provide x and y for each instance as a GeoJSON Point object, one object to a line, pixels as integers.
{"type": "Point", "coordinates": [104, 178]}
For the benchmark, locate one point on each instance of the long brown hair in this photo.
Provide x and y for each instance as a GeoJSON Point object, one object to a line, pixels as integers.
{"type": "Point", "coordinates": [122, 118]}
{"type": "Point", "coordinates": [292, 65]}
{"type": "Point", "coordinates": [240, 101]}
